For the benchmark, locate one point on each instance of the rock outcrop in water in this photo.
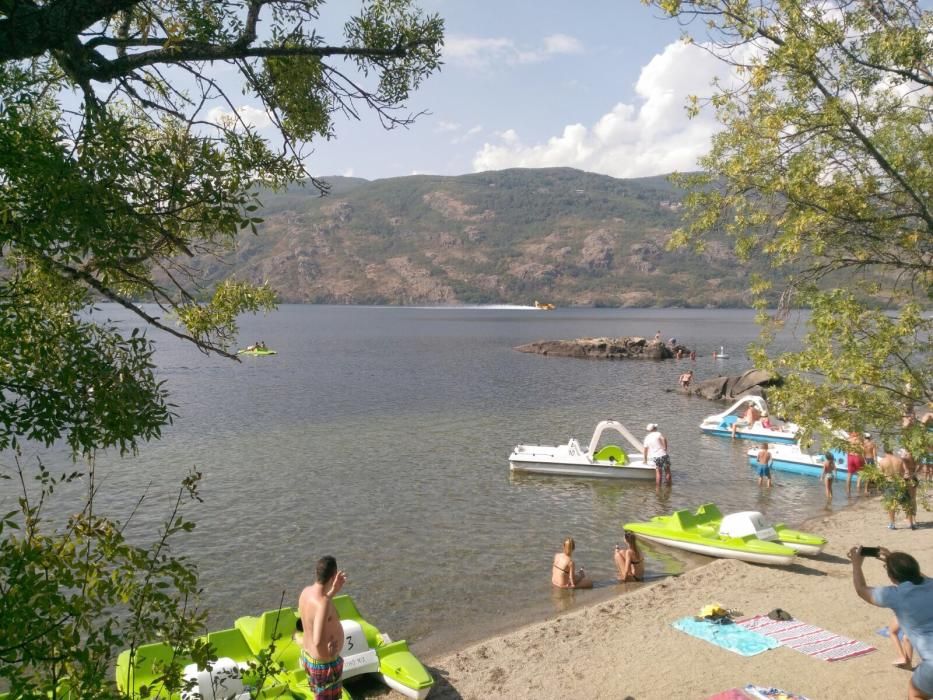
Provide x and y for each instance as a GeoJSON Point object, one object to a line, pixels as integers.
{"type": "Point", "coordinates": [754, 382]}
{"type": "Point", "coordinates": [626, 348]}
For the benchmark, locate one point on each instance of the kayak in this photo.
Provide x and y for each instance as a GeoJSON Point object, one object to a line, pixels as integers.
{"type": "Point", "coordinates": [366, 651]}
{"type": "Point", "coordinates": [745, 536]}
{"type": "Point", "coordinates": [256, 352]}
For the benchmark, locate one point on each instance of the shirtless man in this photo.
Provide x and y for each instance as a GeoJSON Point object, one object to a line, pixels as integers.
{"type": "Point", "coordinates": [685, 379]}
{"type": "Point", "coordinates": [322, 641]}
{"type": "Point", "coordinates": [896, 494]}
{"type": "Point", "coordinates": [749, 418]}
{"type": "Point", "coordinates": [764, 465]}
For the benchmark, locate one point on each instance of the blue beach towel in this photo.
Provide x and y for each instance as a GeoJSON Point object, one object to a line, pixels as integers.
{"type": "Point", "coordinates": [734, 638]}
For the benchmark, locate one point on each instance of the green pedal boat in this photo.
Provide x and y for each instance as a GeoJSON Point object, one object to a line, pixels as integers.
{"type": "Point", "coordinates": [746, 535]}
{"type": "Point", "coordinates": [256, 352]}
{"type": "Point", "coordinates": [366, 650]}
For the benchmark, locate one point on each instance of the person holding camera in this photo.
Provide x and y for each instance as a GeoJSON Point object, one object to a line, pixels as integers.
{"type": "Point", "coordinates": [911, 599]}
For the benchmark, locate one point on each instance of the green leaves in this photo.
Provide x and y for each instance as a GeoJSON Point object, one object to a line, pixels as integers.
{"type": "Point", "coordinates": [824, 166]}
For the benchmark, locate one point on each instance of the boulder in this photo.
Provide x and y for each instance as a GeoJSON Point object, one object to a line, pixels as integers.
{"type": "Point", "coordinates": [629, 347]}
{"type": "Point", "coordinates": [754, 382]}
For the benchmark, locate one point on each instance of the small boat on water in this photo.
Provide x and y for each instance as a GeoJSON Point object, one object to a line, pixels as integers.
{"type": "Point", "coordinates": [790, 458]}
{"type": "Point", "coordinates": [256, 352]}
{"type": "Point", "coordinates": [764, 429]}
{"type": "Point", "coordinates": [366, 650]}
{"type": "Point", "coordinates": [572, 459]}
{"type": "Point", "coordinates": [745, 536]}
{"type": "Point", "coordinates": [544, 306]}
{"type": "Point", "coordinates": [721, 355]}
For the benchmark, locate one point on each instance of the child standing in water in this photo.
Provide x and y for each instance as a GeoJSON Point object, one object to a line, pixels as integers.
{"type": "Point", "coordinates": [829, 473]}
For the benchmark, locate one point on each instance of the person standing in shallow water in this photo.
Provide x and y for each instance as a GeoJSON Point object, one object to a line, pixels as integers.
{"type": "Point", "coordinates": [828, 474]}
{"type": "Point", "coordinates": [322, 638]}
{"type": "Point", "coordinates": [764, 465]}
{"type": "Point", "coordinates": [654, 449]}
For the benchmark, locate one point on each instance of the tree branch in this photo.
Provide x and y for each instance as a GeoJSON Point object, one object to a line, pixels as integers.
{"type": "Point", "coordinates": [30, 30]}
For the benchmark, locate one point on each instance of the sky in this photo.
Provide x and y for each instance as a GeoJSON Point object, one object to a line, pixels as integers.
{"type": "Point", "coordinates": [599, 85]}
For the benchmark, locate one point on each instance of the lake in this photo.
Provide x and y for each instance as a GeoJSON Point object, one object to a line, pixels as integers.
{"type": "Point", "coordinates": [381, 436]}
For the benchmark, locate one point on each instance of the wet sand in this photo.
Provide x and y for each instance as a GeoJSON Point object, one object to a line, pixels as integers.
{"type": "Point", "coordinates": [625, 647]}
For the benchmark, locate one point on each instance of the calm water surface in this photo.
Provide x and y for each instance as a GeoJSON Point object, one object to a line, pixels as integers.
{"type": "Point", "coordinates": [381, 435]}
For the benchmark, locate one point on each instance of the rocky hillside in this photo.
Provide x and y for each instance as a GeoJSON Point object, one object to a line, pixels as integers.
{"type": "Point", "coordinates": [514, 236]}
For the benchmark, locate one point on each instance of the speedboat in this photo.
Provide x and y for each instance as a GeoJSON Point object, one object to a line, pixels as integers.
{"type": "Point", "coordinates": [572, 459]}
{"type": "Point", "coordinates": [745, 536]}
{"type": "Point", "coordinates": [234, 674]}
{"type": "Point", "coordinates": [256, 352]}
{"type": "Point", "coordinates": [790, 458]}
{"type": "Point", "coordinates": [721, 424]}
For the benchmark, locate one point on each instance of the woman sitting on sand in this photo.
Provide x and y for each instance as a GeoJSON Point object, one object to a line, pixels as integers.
{"type": "Point", "coordinates": [563, 573]}
{"type": "Point", "coordinates": [629, 560]}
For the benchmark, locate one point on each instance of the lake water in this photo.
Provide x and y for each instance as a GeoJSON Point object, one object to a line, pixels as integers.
{"type": "Point", "coordinates": [381, 435]}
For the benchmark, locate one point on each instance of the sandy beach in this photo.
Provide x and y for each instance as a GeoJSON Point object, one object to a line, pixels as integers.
{"type": "Point", "coordinates": [626, 647]}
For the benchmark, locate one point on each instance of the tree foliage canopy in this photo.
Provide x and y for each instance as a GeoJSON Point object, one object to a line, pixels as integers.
{"type": "Point", "coordinates": [824, 166]}
{"type": "Point", "coordinates": [115, 171]}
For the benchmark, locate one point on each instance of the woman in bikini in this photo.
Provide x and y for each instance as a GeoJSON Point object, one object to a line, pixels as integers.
{"type": "Point", "coordinates": [629, 560]}
{"type": "Point", "coordinates": [563, 573]}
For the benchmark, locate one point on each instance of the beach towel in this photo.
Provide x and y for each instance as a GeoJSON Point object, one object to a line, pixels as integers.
{"type": "Point", "coordinates": [756, 692]}
{"type": "Point", "coordinates": [807, 639]}
{"type": "Point", "coordinates": [731, 637]}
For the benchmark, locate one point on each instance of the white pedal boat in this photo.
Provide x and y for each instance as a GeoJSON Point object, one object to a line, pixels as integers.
{"type": "Point", "coordinates": [572, 459]}
{"type": "Point", "coordinates": [721, 424]}
{"type": "Point", "coordinates": [790, 458]}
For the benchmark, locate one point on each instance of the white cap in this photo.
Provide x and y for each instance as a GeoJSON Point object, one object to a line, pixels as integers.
{"type": "Point", "coordinates": [867, 435]}
{"type": "Point", "coordinates": [651, 426]}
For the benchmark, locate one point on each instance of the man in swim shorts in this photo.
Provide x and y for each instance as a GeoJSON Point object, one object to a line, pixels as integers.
{"type": "Point", "coordinates": [854, 464]}
{"type": "Point", "coordinates": [764, 465]}
{"type": "Point", "coordinates": [655, 452]}
{"type": "Point", "coordinates": [322, 640]}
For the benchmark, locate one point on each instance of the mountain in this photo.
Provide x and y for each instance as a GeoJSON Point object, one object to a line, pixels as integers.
{"type": "Point", "coordinates": [557, 235]}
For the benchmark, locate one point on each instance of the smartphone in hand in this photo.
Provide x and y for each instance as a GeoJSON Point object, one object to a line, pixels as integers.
{"type": "Point", "coordinates": [870, 551]}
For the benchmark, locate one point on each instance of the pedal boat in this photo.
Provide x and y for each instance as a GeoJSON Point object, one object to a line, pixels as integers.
{"type": "Point", "coordinates": [257, 352]}
{"type": "Point", "coordinates": [790, 458]}
{"type": "Point", "coordinates": [366, 650]}
{"type": "Point", "coordinates": [745, 536]}
{"type": "Point", "coordinates": [720, 424]}
{"type": "Point", "coordinates": [572, 459]}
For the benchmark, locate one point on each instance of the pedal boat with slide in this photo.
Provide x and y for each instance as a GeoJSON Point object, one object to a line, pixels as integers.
{"type": "Point", "coordinates": [746, 536]}
{"type": "Point", "coordinates": [233, 675]}
{"type": "Point", "coordinates": [790, 458]}
{"type": "Point", "coordinates": [720, 424]}
{"type": "Point", "coordinates": [572, 459]}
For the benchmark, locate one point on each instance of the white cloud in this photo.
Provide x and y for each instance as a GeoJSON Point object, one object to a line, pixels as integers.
{"type": "Point", "coordinates": [562, 43]}
{"type": "Point", "coordinates": [482, 52]}
{"type": "Point", "coordinates": [444, 126]}
{"type": "Point", "coordinates": [348, 172]}
{"type": "Point", "coordinates": [468, 134]}
{"type": "Point", "coordinates": [647, 138]}
{"type": "Point", "coordinates": [253, 116]}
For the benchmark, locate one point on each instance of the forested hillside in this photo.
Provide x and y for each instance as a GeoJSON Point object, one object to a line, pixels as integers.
{"type": "Point", "coordinates": [514, 236]}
